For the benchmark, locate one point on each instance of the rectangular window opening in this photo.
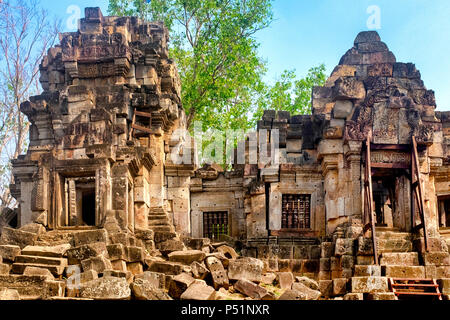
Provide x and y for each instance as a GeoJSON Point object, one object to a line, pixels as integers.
{"type": "Point", "coordinates": [215, 224]}
{"type": "Point", "coordinates": [296, 211]}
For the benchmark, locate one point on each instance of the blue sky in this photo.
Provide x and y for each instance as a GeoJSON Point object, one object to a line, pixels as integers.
{"type": "Point", "coordinates": [309, 32]}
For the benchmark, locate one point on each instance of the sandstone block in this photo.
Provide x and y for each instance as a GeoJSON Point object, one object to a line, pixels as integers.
{"type": "Point", "coordinates": [200, 291]}
{"type": "Point", "coordinates": [18, 238]}
{"type": "Point", "coordinates": [400, 258]}
{"type": "Point", "coordinates": [106, 288]}
{"type": "Point", "coordinates": [285, 280]}
{"type": "Point", "coordinates": [411, 272]}
{"type": "Point", "coordinates": [116, 251]}
{"type": "Point", "coordinates": [157, 280]}
{"type": "Point", "coordinates": [53, 251]}
{"type": "Point", "coordinates": [199, 270]}
{"type": "Point", "coordinates": [119, 265]}
{"type": "Point", "coordinates": [291, 294]}
{"type": "Point", "coordinates": [367, 271]}
{"type": "Point", "coordinates": [250, 289]}
{"type": "Point", "coordinates": [369, 284]}
{"type": "Point", "coordinates": [268, 278]}
{"type": "Point", "coordinates": [144, 290]}
{"type": "Point", "coordinates": [228, 252]}
{"type": "Point", "coordinates": [98, 264]}
{"type": "Point", "coordinates": [84, 252]}
{"type": "Point", "coordinates": [245, 269]}
{"type": "Point", "coordinates": [308, 282]}
{"type": "Point", "coordinates": [382, 296]}
{"type": "Point", "coordinates": [340, 286]}
{"type": "Point", "coordinates": [4, 268]}
{"type": "Point", "coordinates": [135, 268]}
{"type": "Point", "coordinates": [179, 284]}
{"type": "Point", "coordinates": [9, 294]}
{"type": "Point", "coordinates": [88, 237]}
{"type": "Point", "coordinates": [444, 285]}
{"type": "Point", "coordinates": [344, 246]}
{"type": "Point", "coordinates": [35, 271]}
{"type": "Point", "coordinates": [54, 289]}
{"type": "Point", "coordinates": [187, 257]}
{"type": "Point", "coordinates": [354, 296]}
{"type": "Point", "coordinates": [218, 273]}
{"type": "Point", "coordinates": [309, 293]}
{"type": "Point", "coordinates": [325, 264]}
{"type": "Point", "coordinates": [342, 109]}
{"type": "Point", "coordinates": [326, 287]}
{"type": "Point", "coordinates": [436, 258]}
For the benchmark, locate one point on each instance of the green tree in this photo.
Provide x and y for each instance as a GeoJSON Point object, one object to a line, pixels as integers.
{"type": "Point", "coordinates": [291, 94]}
{"type": "Point", "coordinates": [215, 51]}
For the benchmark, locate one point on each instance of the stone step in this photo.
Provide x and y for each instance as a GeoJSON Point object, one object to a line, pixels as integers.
{"type": "Point", "coordinates": [391, 235]}
{"type": "Point", "coordinates": [406, 272]}
{"type": "Point", "coordinates": [400, 258]}
{"type": "Point", "coordinates": [436, 258]}
{"type": "Point", "coordinates": [42, 260]}
{"type": "Point", "coordinates": [19, 268]}
{"type": "Point", "coordinates": [394, 245]}
{"type": "Point", "coordinates": [54, 251]}
{"type": "Point", "coordinates": [163, 228]}
{"type": "Point", "coordinates": [158, 222]}
{"type": "Point", "coordinates": [157, 211]}
{"type": "Point", "coordinates": [161, 236]}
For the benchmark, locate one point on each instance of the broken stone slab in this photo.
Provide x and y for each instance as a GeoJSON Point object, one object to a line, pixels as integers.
{"type": "Point", "coordinates": [309, 293]}
{"type": "Point", "coordinates": [246, 269]}
{"type": "Point", "coordinates": [218, 273]}
{"type": "Point", "coordinates": [88, 237]}
{"type": "Point", "coordinates": [144, 290]}
{"type": "Point", "coordinates": [250, 289]}
{"type": "Point", "coordinates": [199, 270]}
{"type": "Point", "coordinates": [400, 258]}
{"type": "Point", "coordinates": [369, 284]}
{"type": "Point", "coordinates": [367, 271]}
{"type": "Point", "coordinates": [187, 257]}
{"type": "Point", "coordinates": [285, 280]}
{"type": "Point", "coordinates": [312, 284]}
{"type": "Point", "coordinates": [382, 296]}
{"type": "Point", "coordinates": [198, 291]}
{"type": "Point", "coordinates": [157, 280]}
{"type": "Point", "coordinates": [228, 252]}
{"type": "Point", "coordinates": [53, 251]}
{"type": "Point", "coordinates": [98, 264]}
{"type": "Point", "coordinates": [410, 272]}
{"type": "Point", "coordinates": [197, 243]}
{"type": "Point", "coordinates": [9, 294]}
{"type": "Point", "coordinates": [16, 237]}
{"type": "Point", "coordinates": [219, 255]}
{"type": "Point", "coordinates": [87, 251]}
{"type": "Point", "coordinates": [34, 271]}
{"type": "Point", "coordinates": [106, 288]}
{"type": "Point", "coordinates": [179, 284]}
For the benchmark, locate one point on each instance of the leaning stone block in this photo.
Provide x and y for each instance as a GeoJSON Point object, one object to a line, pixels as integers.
{"type": "Point", "coordinates": [187, 257]}
{"type": "Point", "coordinates": [200, 291]}
{"type": "Point", "coordinates": [98, 264]}
{"type": "Point", "coordinates": [285, 280]}
{"type": "Point", "coordinates": [106, 288]}
{"type": "Point", "coordinates": [340, 286]}
{"type": "Point", "coordinates": [326, 287]}
{"type": "Point", "coordinates": [16, 237]}
{"type": "Point", "coordinates": [250, 289]}
{"type": "Point", "coordinates": [91, 236]}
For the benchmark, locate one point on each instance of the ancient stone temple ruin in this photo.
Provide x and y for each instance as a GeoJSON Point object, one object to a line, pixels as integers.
{"type": "Point", "coordinates": [354, 203]}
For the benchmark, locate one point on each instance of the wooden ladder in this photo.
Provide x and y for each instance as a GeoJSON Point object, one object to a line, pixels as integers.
{"type": "Point", "coordinates": [417, 194]}
{"type": "Point", "coordinates": [369, 213]}
{"type": "Point", "coordinates": [135, 127]}
{"type": "Point", "coordinates": [415, 288]}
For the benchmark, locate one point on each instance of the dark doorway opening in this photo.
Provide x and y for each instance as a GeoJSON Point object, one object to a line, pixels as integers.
{"type": "Point", "coordinates": [444, 211]}
{"type": "Point", "coordinates": [88, 207]}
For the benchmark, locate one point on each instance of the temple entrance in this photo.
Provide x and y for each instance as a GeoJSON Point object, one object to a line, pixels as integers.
{"type": "Point", "coordinates": [80, 195]}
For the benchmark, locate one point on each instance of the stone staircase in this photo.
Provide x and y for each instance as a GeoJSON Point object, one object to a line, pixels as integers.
{"type": "Point", "coordinates": [50, 258]}
{"type": "Point", "coordinates": [165, 237]}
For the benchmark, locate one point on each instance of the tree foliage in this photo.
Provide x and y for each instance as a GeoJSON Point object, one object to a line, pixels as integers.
{"type": "Point", "coordinates": [216, 53]}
